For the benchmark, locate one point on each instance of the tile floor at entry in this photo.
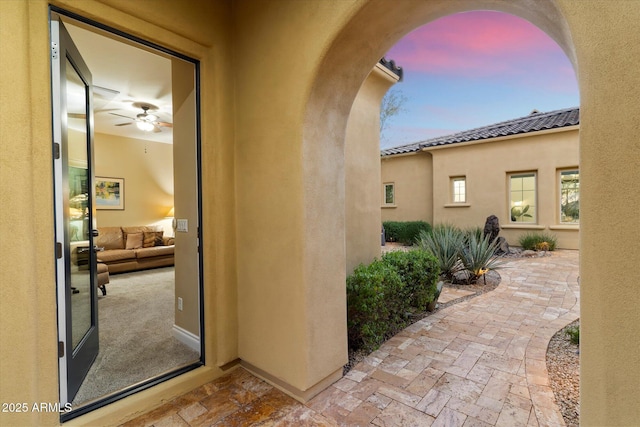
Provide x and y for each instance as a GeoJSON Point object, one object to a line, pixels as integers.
{"type": "Point", "coordinates": [477, 363]}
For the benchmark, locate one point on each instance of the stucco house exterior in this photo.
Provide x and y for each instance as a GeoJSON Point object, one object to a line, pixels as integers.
{"type": "Point", "coordinates": [278, 80]}
{"type": "Point", "coordinates": [525, 171]}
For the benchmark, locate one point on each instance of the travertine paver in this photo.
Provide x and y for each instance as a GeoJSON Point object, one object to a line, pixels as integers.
{"type": "Point", "coordinates": [480, 362]}
{"type": "Point", "coordinates": [450, 294]}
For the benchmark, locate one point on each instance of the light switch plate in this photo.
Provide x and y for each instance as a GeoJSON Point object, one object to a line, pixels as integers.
{"type": "Point", "coordinates": [182, 225]}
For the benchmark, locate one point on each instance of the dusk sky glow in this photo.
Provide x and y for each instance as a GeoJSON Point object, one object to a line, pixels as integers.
{"type": "Point", "coordinates": [474, 69]}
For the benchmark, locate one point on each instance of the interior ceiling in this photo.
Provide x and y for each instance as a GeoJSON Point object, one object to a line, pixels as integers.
{"type": "Point", "coordinates": [131, 75]}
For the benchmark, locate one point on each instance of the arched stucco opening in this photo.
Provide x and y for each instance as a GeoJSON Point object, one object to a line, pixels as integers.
{"type": "Point", "coordinates": [370, 32]}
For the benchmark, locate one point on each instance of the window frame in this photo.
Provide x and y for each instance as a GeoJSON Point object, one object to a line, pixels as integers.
{"type": "Point", "coordinates": [392, 185]}
{"type": "Point", "coordinates": [574, 171]}
{"type": "Point", "coordinates": [453, 180]}
{"type": "Point", "coordinates": [510, 201]}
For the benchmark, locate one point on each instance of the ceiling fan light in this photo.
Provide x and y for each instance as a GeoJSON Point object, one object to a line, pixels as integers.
{"type": "Point", "coordinates": [145, 126]}
{"type": "Point", "coordinates": [151, 118]}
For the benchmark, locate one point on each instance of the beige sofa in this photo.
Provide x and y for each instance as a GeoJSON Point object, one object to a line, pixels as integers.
{"type": "Point", "coordinates": [134, 248]}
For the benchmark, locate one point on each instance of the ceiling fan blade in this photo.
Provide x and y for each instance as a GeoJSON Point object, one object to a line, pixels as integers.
{"type": "Point", "coordinates": [156, 129]}
{"type": "Point", "coordinates": [124, 124]}
{"type": "Point", "coordinates": [164, 124]}
{"type": "Point", "coordinates": [77, 115]}
{"type": "Point", "coordinates": [120, 115]}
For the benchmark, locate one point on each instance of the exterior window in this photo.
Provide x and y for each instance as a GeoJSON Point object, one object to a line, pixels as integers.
{"type": "Point", "coordinates": [389, 194]}
{"type": "Point", "coordinates": [522, 197]}
{"type": "Point", "coordinates": [459, 188]}
{"type": "Point", "coordinates": [570, 196]}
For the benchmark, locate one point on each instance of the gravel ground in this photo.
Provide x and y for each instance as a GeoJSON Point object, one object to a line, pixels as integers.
{"type": "Point", "coordinates": [563, 364]}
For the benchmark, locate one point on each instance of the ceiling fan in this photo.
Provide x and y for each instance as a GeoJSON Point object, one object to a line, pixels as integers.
{"type": "Point", "coordinates": [145, 121]}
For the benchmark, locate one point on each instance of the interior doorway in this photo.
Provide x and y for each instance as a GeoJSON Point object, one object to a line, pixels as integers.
{"type": "Point", "coordinates": [127, 164]}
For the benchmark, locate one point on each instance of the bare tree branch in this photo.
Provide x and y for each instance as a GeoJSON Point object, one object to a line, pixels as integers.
{"type": "Point", "coordinates": [392, 104]}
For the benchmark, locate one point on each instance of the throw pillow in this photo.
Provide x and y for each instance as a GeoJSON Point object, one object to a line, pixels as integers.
{"type": "Point", "coordinates": [149, 239]}
{"type": "Point", "coordinates": [159, 241]}
{"type": "Point", "coordinates": [134, 240]}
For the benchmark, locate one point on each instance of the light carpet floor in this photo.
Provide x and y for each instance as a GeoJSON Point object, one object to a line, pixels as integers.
{"type": "Point", "coordinates": [135, 326]}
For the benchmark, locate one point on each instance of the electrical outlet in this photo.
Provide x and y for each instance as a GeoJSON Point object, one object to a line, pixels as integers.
{"type": "Point", "coordinates": [179, 304]}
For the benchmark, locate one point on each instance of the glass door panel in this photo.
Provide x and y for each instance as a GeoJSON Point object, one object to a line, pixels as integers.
{"type": "Point", "coordinates": [73, 176]}
{"type": "Point", "coordinates": [78, 220]}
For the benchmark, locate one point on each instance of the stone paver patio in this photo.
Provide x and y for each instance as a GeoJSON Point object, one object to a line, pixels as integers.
{"type": "Point", "coordinates": [480, 362]}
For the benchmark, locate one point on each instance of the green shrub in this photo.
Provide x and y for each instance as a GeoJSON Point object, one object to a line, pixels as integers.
{"type": "Point", "coordinates": [445, 242]}
{"type": "Point", "coordinates": [537, 241]}
{"type": "Point", "coordinates": [419, 273]}
{"type": "Point", "coordinates": [372, 295]}
{"type": "Point", "coordinates": [479, 256]}
{"type": "Point", "coordinates": [382, 296]}
{"type": "Point", "coordinates": [405, 232]}
{"type": "Point", "coordinates": [573, 332]}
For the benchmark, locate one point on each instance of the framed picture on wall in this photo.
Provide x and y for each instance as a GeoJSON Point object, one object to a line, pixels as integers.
{"type": "Point", "coordinates": [109, 193]}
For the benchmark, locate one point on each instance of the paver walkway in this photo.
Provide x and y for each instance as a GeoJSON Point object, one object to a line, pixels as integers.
{"type": "Point", "coordinates": [477, 363]}
{"type": "Point", "coordinates": [450, 294]}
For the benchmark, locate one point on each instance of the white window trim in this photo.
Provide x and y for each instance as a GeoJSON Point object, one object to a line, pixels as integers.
{"type": "Point", "coordinates": [452, 188]}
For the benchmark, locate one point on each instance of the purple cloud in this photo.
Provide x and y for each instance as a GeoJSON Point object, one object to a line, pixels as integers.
{"type": "Point", "coordinates": [475, 44]}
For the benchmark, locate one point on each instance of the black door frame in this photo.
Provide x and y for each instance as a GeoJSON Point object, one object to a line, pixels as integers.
{"type": "Point", "coordinates": [179, 371]}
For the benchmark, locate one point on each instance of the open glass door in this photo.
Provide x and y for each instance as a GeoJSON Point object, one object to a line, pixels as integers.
{"type": "Point", "coordinates": [74, 210]}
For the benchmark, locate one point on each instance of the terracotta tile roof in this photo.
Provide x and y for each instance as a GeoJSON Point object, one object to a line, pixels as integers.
{"type": "Point", "coordinates": [532, 123]}
{"type": "Point", "coordinates": [402, 149]}
{"type": "Point", "coordinates": [391, 66]}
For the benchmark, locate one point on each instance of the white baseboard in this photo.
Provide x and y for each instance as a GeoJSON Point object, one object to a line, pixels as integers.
{"type": "Point", "coordinates": [187, 338]}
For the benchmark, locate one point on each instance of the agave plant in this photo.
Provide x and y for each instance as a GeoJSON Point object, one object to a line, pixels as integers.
{"type": "Point", "coordinates": [479, 256]}
{"type": "Point", "coordinates": [469, 231]}
{"type": "Point", "coordinates": [445, 243]}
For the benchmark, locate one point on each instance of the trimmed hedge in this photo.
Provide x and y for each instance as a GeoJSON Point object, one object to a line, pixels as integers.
{"type": "Point", "coordinates": [405, 232]}
{"type": "Point", "coordinates": [419, 272]}
{"type": "Point", "coordinates": [382, 296]}
{"type": "Point", "coordinates": [371, 290]}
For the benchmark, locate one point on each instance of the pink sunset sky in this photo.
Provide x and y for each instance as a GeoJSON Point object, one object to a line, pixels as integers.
{"type": "Point", "coordinates": [474, 69]}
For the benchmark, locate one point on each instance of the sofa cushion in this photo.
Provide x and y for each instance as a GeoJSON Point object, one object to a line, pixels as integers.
{"type": "Point", "coordinates": [138, 229]}
{"type": "Point", "coordinates": [154, 251]}
{"type": "Point", "coordinates": [114, 255]}
{"type": "Point", "coordinates": [141, 228]}
{"type": "Point", "coordinates": [110, 238]}
{"type": "Point", "coordinates": [134, 240]}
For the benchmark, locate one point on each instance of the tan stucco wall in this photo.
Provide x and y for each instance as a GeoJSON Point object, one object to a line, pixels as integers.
{"type": "Point", "coordinates": [148, 181]}
{"type": "Point", "coordinates": [362, 170]}
{"type": "Point", "coordinates": [278, 82]}
{"type": "Point", "coordinates": [290, 196]}
{"type": "Point", "coordinates": [28, 356]}
{"type": "Point", "coordinates": [606, 38]}
{"type": "Point", "coordinates": [186, 196]}
{"type": "Point", "coordinates": [412, 176]}
{"type": "Point", "coordinates": [486, 166]}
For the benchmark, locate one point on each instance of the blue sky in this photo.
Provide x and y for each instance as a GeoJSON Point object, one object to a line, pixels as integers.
{"type": "Point", "coordinates": [474, 69]}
